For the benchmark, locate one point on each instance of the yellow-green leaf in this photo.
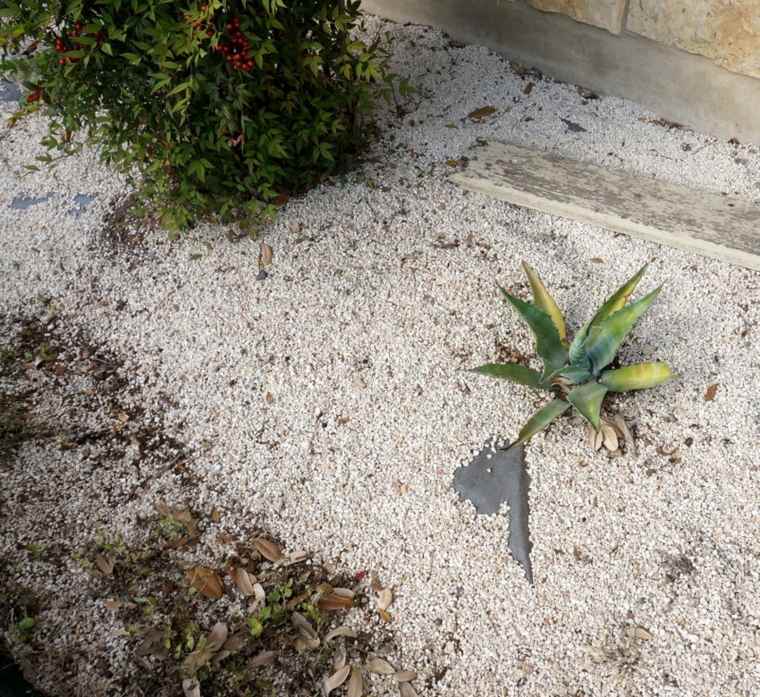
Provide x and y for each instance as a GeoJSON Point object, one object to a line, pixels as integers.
{"type": "Point", "coordinates": [636, 377]}
{"type": "Point", "coordinates": [543, 300]}
{"type": "Point", "coordinates": [614, 303]}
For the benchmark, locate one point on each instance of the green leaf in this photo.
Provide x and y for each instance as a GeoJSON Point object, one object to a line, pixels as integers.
{"type": "Point", "coordinates": [640, 376]}
{"type": "Point", "coordinates": [106, 48]}
{"type": "Point", "coordinates": [614, 303]}
{"type": "Point", "coordinates": [548, 344]}
{"type": "Point", "coordinates": [544, 301]}
{"type": "Point", "coordinates": [576, 374]}
{"type": "Point", "coordinates": [541, 419]}
{"type": "Point", "coordinates": [513, 372]}
{"type": "Point", "coordinates": [587, 399]}
{"type": "Point", "coordinates": [604, 339]}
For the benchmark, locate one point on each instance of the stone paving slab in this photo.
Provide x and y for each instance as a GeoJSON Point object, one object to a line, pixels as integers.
{"type": "Point", "coordinates": [707, 223]}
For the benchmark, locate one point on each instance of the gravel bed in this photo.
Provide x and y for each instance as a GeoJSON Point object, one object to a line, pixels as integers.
{"type": "Point", "coordinates": [328, 403]}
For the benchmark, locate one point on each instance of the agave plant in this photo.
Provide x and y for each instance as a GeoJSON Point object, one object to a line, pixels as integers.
{"type": "Point", "coordinates": [576, 372]}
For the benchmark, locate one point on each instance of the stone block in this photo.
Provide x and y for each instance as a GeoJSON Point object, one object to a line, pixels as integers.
{"type": "Point", "coordinates": [607, 14]}
{"type": "Point", "coordinates": [726, 32]}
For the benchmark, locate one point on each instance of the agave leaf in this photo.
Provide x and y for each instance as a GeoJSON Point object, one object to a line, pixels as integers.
{"type": "Point", "coordinates": [619, 298]}
{"type": "Point", "coordinates": [587, 399]}
{"type": "Point", "coordinates": [636, 377]}
{"type": "Point", "coordinates": [576, 374]}
{"type": "Point", "coordinates": [604, 339]}
{"type": "Point", "coordinates": [514, 372]}
{"type": "Point", "coordinates": [541, 419]}
{"type": "Point", "coordinates": [544, 301]}
{"type": "Point", "coordinates": [614, 303]}
{"type": "Point", "coordinates": [548, 344]}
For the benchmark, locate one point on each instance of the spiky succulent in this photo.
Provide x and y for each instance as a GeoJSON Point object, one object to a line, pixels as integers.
{"type": "Point", "coordinates": [575, 372]}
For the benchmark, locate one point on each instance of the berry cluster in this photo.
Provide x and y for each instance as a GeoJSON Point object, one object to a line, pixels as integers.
{"type": "Point", "coordinates": [61, 42]}
{"type": "Point", "coordinates": [34, 96]}
{"type": "Point", "coordinates": [237, 49]}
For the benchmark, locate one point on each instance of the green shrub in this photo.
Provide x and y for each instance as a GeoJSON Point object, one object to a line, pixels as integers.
{"type": "Point", "coordinates": [221, 108]}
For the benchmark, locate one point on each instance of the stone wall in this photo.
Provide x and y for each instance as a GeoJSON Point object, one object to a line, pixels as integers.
{"type": "Point", "coordinates": [725, 31]}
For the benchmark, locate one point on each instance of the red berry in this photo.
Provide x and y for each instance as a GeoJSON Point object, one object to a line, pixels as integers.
{"type": "Point", "coordinates": [61, 61]}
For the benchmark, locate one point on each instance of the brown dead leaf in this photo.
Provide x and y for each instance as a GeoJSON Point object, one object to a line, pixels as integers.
{"type": "Point", "coordinates": [597, 260]}
{"type": "Point", "coordinates": [113, 604]}
{"type": "Point", "coordinates": [217, 636]}
{"type": "Point", "coordinates": [384, 599]}
{"type": "Point", "coordinates": [206, 581]}
{"type": "Point", "coordinates": [216, 515]}
{"type": "Point", "coordinates": [264, 658]}
{"type": "Point", "coordinates": [304, 626]}
{"type": "Point", "coordinates": [380, 666]}
{"type": "Point", "coordinates": [336, 599]}
{"type": "Point", "coordinates": [355, 684]}
{"type": "Point", "coordinates": [481, 114]}
{"type": "Point", "coordinates": [341, 631]}
{"type": "Point", "coordinates": [105, 564]}
{"type": "Point", "coordinates": [296, 558]}
{"type": "Point", "coordinates": [243, 581]}
{"type": "Point", "coordinates": [711, 391]}
{"type": "Point", "coordinates": [405, 676]}
{"type": "Point", "coordinates": [336, 680]}
{"type": "Point", "coordinates": [642, 634]}
{"type": "Point", "coordinates": [385, 616]}
{"type": "Point", "coordinates": [619, 423]}
{"type": "Point", "coordinates": [406, 690]}
{"type": "Point", "coordinates": [267, 549]}
{"type": "Point", "coordinates": [265, 255]}
{"type": "Point", "coordinates": [610, 437]}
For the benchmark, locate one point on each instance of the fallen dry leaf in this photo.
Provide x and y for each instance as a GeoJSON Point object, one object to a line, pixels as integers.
{"type": "Point", "coordinates": [483, 113]}
{"type": "Point", "coordinates": [205, 581]}
{"type": "Point", "coordinates": [384, 599]}
{"type": "Point", "coordinates": [355, 684]}
{"type": "Point", "coordinates": [264, 658]}
{"type": "Point", "coordinates": [243, 581]}
{"type": "Point", "coordinates": [341, 631]}
{"type": "Point", "coordinates": [335, 600]}
{"type": "Point", "coordinates": [191, 687]}
{"type": "Point", "coordinates": [610, 437]}
{"type": "Point", "coordinates": [407, 690]}
{"type": "Point", "coordinates": [267, 549]}
{"type": "Point", "coordinates": [336, 680]}
{"type": "Point", "coordinates": [405, 676]}
{"type": "Point", "coordinates": [380, 666]}
{"type": "Point", "coordinates": [619, 423]}
{"type": "Point", "coordinates": [711, 391]}
{"type": "Point", "coordinates": [216, 515]}
{"type": "Point", "coordinates": [339, 659]}
{"type": "Point", "coordinates": [642, 633]}
{"type": "Point", "coordinates": [217, 636]}
{"type": "Point", "coordinates": [105, 564]}
{"type": "Point", "coordinates": [296, 558]}
{"type": "Point", "coordinates": [265, 255]}
{"type": "Point", "coordinates": [385, 616]}
{"type": "Point", "coordinates": [303, 626]}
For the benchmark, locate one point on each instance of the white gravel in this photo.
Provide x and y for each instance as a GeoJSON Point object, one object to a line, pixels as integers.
{"type": "Point", "coordinates": [360, 335]}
